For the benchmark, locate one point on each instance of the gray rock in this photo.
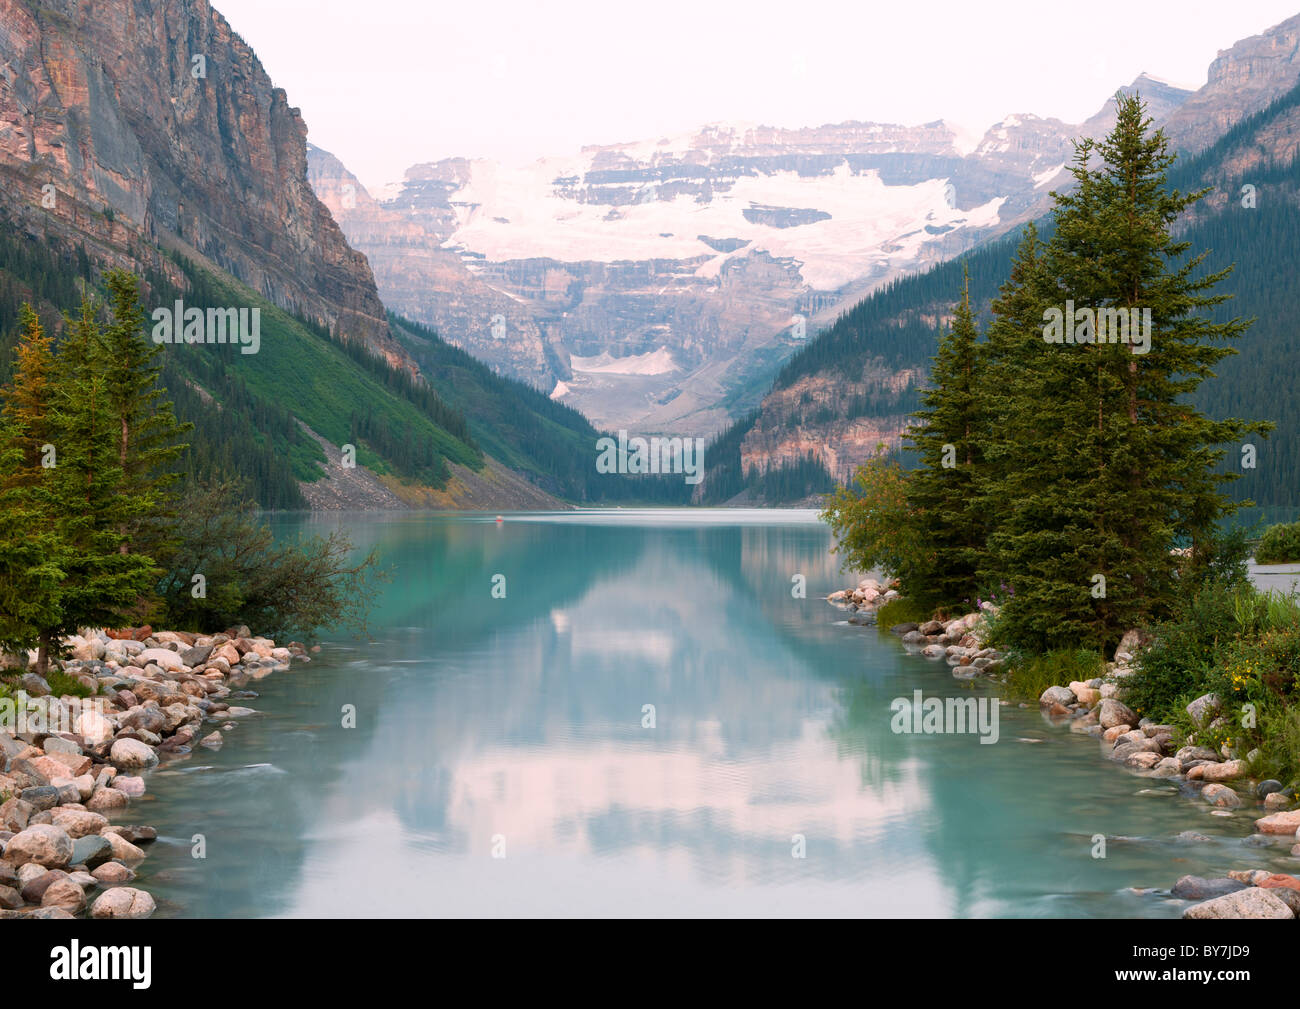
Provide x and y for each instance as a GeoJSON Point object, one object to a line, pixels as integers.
{"type": "Point", "coordinates": [1268, 787]}
{"type": "Point", "coordinates": [1199, 888]}
{"type": "Point", "coordinates": [1204, 706]}
{"type": "Point", "coordinates": [34, 685]}
{"type": "Point", "coordinates": [196, 655]}
{"type": "Point", "coordinates": [1056, 695]}
{"type": "Point", "coordinates": [91, 851]}
{"type": "Point", "coordinates": [901, 629]}
{"type": "Point", "coordinates": [41, 797]}
{"type": "Point", "coordinates": [1114, 712]}
{"type": "Point", "coordinates": [966, 672]}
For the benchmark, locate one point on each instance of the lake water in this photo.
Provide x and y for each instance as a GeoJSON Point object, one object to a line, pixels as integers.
{"type": "Point", "coordinates": [514, 726]}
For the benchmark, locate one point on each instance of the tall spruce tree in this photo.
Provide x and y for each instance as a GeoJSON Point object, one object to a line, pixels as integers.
{"type": "Point", "coordinates": [89, 501]}
{"type": "Point", "coordinates": [947, 440]}
{"type": "Point", "coordinates": [31, 579]}
{"type": "Point", "coordinates": [1104, 465]}
{"type": "Point", "coordinates": [147, 433]}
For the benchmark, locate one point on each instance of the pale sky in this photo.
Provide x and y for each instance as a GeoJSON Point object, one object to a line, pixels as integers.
{"type": "Point", "coordinates": [388, 83]}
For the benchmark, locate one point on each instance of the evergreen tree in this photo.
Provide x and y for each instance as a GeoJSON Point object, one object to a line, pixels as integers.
{"type": "Point", "coordinates": [947, 440]}
{"type": "Point", "coordinates": [89, 501]}
{"type": "Point", "coordinates": [146, 430]}
{"type": "Point", "coordinates": [1114, 466]}
{"type": "Point", "coordinates": [27, 403]}
{"type": "Point", "coordinates": [30, 549]}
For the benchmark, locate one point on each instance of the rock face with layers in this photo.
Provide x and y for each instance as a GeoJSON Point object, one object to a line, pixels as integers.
{"type": "Point", "coordinates": [151, 121]}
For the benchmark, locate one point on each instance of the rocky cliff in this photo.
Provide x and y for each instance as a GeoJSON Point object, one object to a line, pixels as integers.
{"type": "Point", "coordinates": [132, 124]}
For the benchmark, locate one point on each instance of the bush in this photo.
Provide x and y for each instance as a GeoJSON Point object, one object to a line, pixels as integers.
{"type": "Point", "coordinates": [1280, 544]}
{"type": "Point", "coordinates": [1184, 653]}
{"type": "Point", "coordinates": [1029, 675]}
{"type": "Point", "coordinates": [249, 579]}
{"type": "Point", "coordinates": [872, 524]}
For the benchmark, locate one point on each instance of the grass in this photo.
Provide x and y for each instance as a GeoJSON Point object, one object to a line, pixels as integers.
{"type": "Point", "coordinates": [902, 611]}
{"type": "Point", "coordinates": [65, 685]}
{"type": "Point", "coordinates": [1028, 676]}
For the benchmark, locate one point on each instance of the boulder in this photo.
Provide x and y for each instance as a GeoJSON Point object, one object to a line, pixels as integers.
{"type": "Point", "coordinates": [1251, 902]}
{"type": "Point", "coordinates": [94, 728]}
{"type": "Point", "coordinates": [1229, 770]}
{"type": "Point", "coordinates": [1198, 888]}
{"type": "Point", "coordinates": [131, 753]}
{"type": "Point", "coordinates": [164, 658]}
{"type": "Point", "coordinates": [123, 902]}
{"type": "Point", "coordinates": [1279, 823]}
{"type": "Point", "coordinates": [123, 850]}
{"type": "Point", "coordinates": [1204, 707]}
{"type": "Point", "coordinates": [113, 873]}
{"type": "Point", "coordinates": [44, 844]}
{"type": "Point", "coordinates": [105, 800]}
{"type": "Point", "coordinates": [1221, 796]}
{"type": "Point", "coordinates": [65, 895]}
{"type": "Point", "coordinates": [1115, 712]}
{"type": "Point", "coordinates": [1056, 695]}
{"type": "Point", "coordinates": [92, 851]}
{"type": "Point", "coordinates": [79, 823]}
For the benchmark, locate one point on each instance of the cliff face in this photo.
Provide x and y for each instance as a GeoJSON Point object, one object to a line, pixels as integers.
{"type": "Point", "coordinates": [1242, 79]}
{"type": "Point", "coordinates": [155, 123]}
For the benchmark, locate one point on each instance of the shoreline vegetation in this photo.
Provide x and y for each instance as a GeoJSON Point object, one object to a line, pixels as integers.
{"type": "Point", "coordinates": [1065, 523]}
{"type": "Point", "coordinates": [76, 758]}
{"type": "Point", "coordinates": [99, 529]}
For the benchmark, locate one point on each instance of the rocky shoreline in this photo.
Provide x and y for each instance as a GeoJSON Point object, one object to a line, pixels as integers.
{"type": "Point", "coordinates": [1096, 708]}
{"type": "Point", "coordinates": [73, 765]}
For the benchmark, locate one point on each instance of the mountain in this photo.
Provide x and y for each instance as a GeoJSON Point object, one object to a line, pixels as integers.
{"type": "Point", "coordinates": [659, 284]}
{"type": "Point", "coordinates": [131, 125]}
{"type": "Point", "coordinates": [145, 134]}
{"type": "Point", "coordinates": [853, 386]}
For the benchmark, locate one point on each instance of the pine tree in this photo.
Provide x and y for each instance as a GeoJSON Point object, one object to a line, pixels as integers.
{"type": "Point", "coordinates": [147, 433]}
{"type": "Point", "coordinates": [1111, 465]}
{"type": "Point", "coordinates": [946, 438]}
{"type": "Point", "coordinates": [30, 548]}
{"type": "Point", "coordinates": [27, 404]}
{"type": "Point", "coordinates": [89, 501]}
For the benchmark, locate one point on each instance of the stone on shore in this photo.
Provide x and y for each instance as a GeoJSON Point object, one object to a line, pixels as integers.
{"type": "Point", "coordinates": [1115, 712]}
{"type": "Point", "coordinates": [44, 844]}
{"type": "Point", "coordinates": [128, 902]}
{"type": "Point", "coordinates": [64, 894]}
{"type": "Point", "coordinates": [1221, 796]}
{"type": "Point", "coordinates": [92, 851]}
{"type": "Point", "coordinates": [1278, 823]}
{"type": "Point", "coordinates": [1249, 903]}
{"type": "Point", "coordinates": [1198, 888]}
{"type": "Point", "coordinates": [1056, 695]}
{"type": "Point", "coordinates": [1229, 770]}
{"type": "Point", "coordinates": [131, 753]}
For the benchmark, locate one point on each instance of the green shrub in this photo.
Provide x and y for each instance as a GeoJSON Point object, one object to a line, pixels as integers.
{"type": "Point", "coordinates": [1027, 676]}
{"type": "Point", "coordinates": [1185, 653]}
{"type": "Point", "coordinates": [1280, 544]}
{"type": "Point", "coordinates": [249, 578]}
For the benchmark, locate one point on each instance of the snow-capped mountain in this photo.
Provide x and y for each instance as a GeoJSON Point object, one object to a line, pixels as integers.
{"type": "Point", "coordinates": [656, 284]}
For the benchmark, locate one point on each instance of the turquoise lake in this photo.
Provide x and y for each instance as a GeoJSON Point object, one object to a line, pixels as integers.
{"type": "Point", "coordinates": [499, 764]}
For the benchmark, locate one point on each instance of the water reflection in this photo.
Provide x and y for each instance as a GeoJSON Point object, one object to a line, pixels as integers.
{"type": "Point", "coordinates": [515, 725]}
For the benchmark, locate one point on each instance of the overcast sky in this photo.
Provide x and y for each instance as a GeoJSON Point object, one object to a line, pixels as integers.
{"type": "Point", "coordinates": [387, 83]}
